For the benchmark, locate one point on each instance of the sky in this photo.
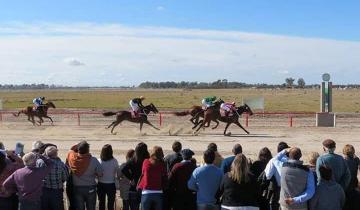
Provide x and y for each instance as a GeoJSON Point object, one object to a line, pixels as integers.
{"type": "Point", "coordinates": [117, 42]}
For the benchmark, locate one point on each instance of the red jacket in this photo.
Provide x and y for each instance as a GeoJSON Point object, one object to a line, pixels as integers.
{"type": "Point", "coordinates": [153, 176]}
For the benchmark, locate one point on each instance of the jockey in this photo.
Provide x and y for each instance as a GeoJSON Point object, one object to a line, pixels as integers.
{"type": "Point", "coordinates": [38, 102]}
{"type": "Point", "coordinates": [136, 104]}
{"type": "Point", "coordinates": [228, 108]}
{"type": "Point", "coordinates": [208, 102]}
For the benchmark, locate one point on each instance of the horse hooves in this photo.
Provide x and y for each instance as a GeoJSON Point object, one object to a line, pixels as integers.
{"type": "Point", "coordinates": [248, 133]}
{"type": "Point", "coordinates": [227, 134]}
{"type": "Point", "coordinates": [113, 133]}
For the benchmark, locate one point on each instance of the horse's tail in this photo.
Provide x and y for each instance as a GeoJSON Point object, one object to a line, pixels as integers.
{"type": "Point", "coordinates": [107, 114]}
{"type": "Point", "coordinates": [184, 113]}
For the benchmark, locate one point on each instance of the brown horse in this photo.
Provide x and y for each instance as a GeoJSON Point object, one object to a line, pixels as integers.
{"type": "Point", "coordinates": [126, 115]}
{"type": "Point", "coordinates": [40, 113]}
{"type": "Point", "coordinates": [197, 112]}
{"type": "Point", "coordinates": [214, 115]}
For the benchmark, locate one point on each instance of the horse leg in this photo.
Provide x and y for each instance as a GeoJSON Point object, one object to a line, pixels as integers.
{"type": "Point", "coordinates": [217, 124]}
{"type": "Point", "coordinates": [52, 122]}
{"type": "Point", "coordinates": [226, 127]}
{"type": "Point", "coordinates": [111, 124]}
{"type": "Point", "coordinates": [238, 124]}
{"type": "Point", "coordinates": [197, 124]}
{"type": "Point", "coordinates": [149, 123]}
{"type": "Point", "coordinates": [141, 125]}
{"type": "Point", "coordinates": [31, 120]}
{"type": "Point", "coordinates": [114, 124]}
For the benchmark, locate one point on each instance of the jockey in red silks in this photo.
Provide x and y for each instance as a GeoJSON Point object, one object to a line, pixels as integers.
{"type": "Point", "coordinates": [229, 108]}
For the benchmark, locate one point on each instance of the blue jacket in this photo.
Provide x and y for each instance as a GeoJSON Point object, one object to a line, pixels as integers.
{"type": "Point", "coordinates": [206, 181]}
{"type": "Point", "coordinates": [226, 164]}
{"type": "Point", "coordinates": [341, 172]}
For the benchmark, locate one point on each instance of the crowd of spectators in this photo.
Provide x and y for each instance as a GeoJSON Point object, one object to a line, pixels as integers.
{"type": "Point", "coordinates": [149, 180]}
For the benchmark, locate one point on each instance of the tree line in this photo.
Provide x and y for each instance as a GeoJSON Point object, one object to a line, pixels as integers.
{"type": "Point", "coordinates": [218, 84]}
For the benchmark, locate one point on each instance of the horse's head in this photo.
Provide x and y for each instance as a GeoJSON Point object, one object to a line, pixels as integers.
{"type": "Point", "coordinates": [245, 108]}
{"type": "Point", "coordinates": [50, 104]}
{"type": "Point", "coordinates": [152, 108]}
{"type": "Point", "coordinates": [218, 102]}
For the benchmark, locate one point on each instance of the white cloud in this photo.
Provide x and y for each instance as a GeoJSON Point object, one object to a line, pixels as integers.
{"type": "Point", "coordinates": [160, 8]}
{"type": "Point", "coordinates": [73, 62]}
{"type": "Point", "coordinates": [124, 55]}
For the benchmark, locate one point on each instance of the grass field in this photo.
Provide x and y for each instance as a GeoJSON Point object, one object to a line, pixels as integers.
{"type": "Point", "coordinates": [275, 100]}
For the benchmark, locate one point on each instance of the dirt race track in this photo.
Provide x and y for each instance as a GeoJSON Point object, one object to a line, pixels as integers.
{"type": "Point", "coordinates": [265, 131]}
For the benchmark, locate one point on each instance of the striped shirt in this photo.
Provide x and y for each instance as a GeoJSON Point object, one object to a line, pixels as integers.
{"type": "Point", "coordinates": [58, 175]}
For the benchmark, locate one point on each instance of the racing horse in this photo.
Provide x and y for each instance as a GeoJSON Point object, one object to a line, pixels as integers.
{"type": "Point", "coordinates": [41, 113]}
{"type": "Point", "coordinates": [127, 115]}
{"type": "Point", "coordinates": [215, 115]}
{"type": "Point", "coordinates": [197, 112]}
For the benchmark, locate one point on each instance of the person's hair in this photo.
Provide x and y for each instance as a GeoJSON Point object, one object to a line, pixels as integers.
{"type": "Point", "coordinates": [176, 146]}
{"type": "Point", "coordinates": [130, 154]}
{"type": "Point", "coordinates": [2, 146]}
{"type": "Point", "coordinates": [281, 146]}
{"type": "Point", "coordinates": [2, 162]}
{"type": "Point", "coordinates": [237, 149]}
{"type": "Point", "coordinates": [51, 152]}
{"type": "Point", "coordinates": [325, 172]}
{"type": "Point", "coordinates": [157, 155]}
{"type": "Point", "coordinates": [265, 155]}
{"type": "Point", "coordinates": [83, 147]}
{"type": "Point", "coordinates": [209, 156]}
{"type": "Point", "coordinates": [295, 153]}
{"type": "Point", "coordinates": [193, 161]}
{"type": "Point", "coordinates": [106, 153]}
{"type": "Point", "coordinates": [30, 159]}
{"type": "Point", "coordinates": [312, 158]}
{"type": "Point", "coordinates": [239, 172]}
{"type": "Point", "coordinates": [141, 152]}
{"type": "Point", "coordinates": [349, 150]}
{"type": "Point", "coordinates": [329, 144]}
{"type": "Point", "coordinates": [212, 146]}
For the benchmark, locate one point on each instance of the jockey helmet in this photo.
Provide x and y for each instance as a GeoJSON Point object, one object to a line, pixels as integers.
{"type": "Point", "coordinates": [142, 97]}
{"type": "Point", "coordinates": [233, 103]}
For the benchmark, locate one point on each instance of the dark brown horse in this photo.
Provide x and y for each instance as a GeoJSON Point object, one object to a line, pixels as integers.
{"type": "Point", "coordinates": [214, 115]}
{"type": "Point", "coordinates": [41, 113]}
{"type": "Point", "coordinates": [197, 112]}
{"type": "Point", "coordinates": [126, 115]}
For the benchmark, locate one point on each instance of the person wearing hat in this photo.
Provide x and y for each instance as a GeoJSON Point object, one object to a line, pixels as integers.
{"type": "Point", "coordinates": [136, 105]}
{"type": "Point", "coordinates": [180, 174]}
{"type": "Point", "coordinates": [341, 172]}
{"type": "Point", "coordinates": [28, 182]}
{"type": "Point", "coordinates": [38, 103]}
{"type": "Point", "coordinates": [208, 102]}
{"type": "Point", "coordinates": [53, 189]}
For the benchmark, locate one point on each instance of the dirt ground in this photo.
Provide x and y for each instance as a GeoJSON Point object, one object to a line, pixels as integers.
{"type": "Point", "coordinates": [264, 133]}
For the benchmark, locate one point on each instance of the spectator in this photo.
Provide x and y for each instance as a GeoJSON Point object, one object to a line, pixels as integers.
{"type": "Point", "coordinates": [36, 145]}
{"type": "Point", "coordinates": [85, 169]}
{"type": "Point", "coordinates": [53, 189]}
{"type": "Point", "coordinates": [272, 172]}
{"type": "Point", "coordinates": [312, 158]}
{"type": "Point", "coordinates": [9, 163]}
{"type": "Point", "coordinates": [206, 180]}
{"type": "Point", "coordinates": [329, 194]}
{"type": "Point", "coordinates": [239, 187]}
{"type": "Point", "coordinates": [124, 183]}
{"type": "Point", "coordinates": [226, 163]}
{"type": "Point", "coordinates": [297, 181]}
{"type": "Point", "coordinates": [153, 180]}
{"type": "Point", "coordinates": [218, 158]}
{"type": "Point", "coordinates": [28, 181]}
{"type": "Point", "coordinates": [257, 169]}
{"type": "Point", "coordinates": [341, 172]}
{"type": "Point", "coordinates": [2, 147]}
{"type": "Point", "coordinates": [184, 199]}
{"type": "Point", "coordinates": [352, 195]}
{"type": "Point", "coordinates": [106, 183]}
{"type": "Point", "coordinates": [132, 171]}
{"type": "Point", "coordinates": [259, 165]}
{"type": "Point", "coordinates": [175, 157]}
{"type": "Point", "coordinates": [353, 164]}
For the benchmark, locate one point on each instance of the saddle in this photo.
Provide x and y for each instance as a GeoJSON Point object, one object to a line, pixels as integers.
{"type": "Point", "coordinates": [223, 113]}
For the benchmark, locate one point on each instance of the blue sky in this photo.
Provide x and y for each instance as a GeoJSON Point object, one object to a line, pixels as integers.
{"type": "Point", "coordinates": [250, 41]}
